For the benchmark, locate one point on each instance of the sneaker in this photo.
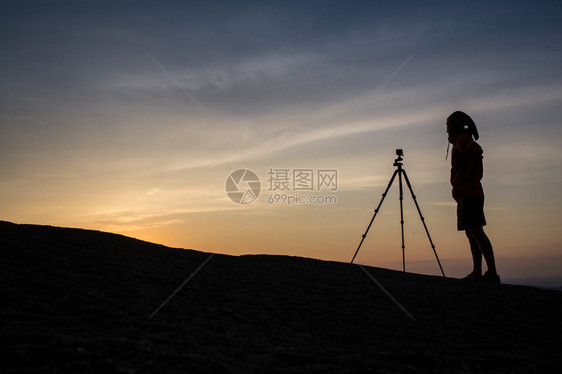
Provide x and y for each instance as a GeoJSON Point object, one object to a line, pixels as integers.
{"type": "Point", "coordinates": [491, 278]}
{"type": "Point", "coordinates": [473, 277]}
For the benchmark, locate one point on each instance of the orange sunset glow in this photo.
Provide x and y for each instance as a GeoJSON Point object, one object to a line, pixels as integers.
{"type": "Point", "coordinates": [130, 118]}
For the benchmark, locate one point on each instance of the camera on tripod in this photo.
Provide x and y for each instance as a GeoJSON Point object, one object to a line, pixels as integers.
{"type": "Point", "coordinates": [398, 161]}
{"type": "Point", "coordinates": [401, 173]}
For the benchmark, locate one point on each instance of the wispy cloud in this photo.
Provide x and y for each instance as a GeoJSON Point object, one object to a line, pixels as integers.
{"type": "Point", "coordinates": [358, 108]}
{"type": "Point", "coordinates": [94, 131]}
{"type": "Point", "coordinates": [200, 105]}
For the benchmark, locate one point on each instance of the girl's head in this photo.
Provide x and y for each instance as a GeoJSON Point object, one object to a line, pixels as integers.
{"type": "Point", "coordinates": [461, 123]}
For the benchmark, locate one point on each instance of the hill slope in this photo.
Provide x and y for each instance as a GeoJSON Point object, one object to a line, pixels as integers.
{"type": "Point", "coordinates": [78, 301]}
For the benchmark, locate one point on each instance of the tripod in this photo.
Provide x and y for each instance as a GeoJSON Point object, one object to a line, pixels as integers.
{"type": "Point", "coordinates": [400, 172]}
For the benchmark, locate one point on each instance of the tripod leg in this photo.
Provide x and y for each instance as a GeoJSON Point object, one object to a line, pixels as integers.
{"type": "Point", "coordinates": [402, 219]}
{"type": "Point", "coordinates": [376, 211]}
{"type": "Point", "coordinates": [423, 221]}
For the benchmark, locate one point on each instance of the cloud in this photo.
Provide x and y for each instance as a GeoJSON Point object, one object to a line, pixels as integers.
{"type": "Point", "coordinates": [92, 127]}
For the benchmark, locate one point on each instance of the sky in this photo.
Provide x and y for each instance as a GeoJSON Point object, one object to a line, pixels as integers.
{"type": "Point", "coordinates": [131, 116]}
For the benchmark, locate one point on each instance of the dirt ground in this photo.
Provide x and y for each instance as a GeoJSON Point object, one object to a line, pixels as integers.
{"type": "Point", "coordinates": [79, 301]}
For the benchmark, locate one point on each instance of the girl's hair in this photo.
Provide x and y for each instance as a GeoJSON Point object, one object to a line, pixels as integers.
{"type": "Point", "coordinates": [460, 122]}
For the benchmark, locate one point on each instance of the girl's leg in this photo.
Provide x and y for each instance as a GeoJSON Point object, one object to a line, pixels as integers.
{"type": "Point", "coordinates": [476, 254]}
{"type": "Point", "coordinates": [485, 246]}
